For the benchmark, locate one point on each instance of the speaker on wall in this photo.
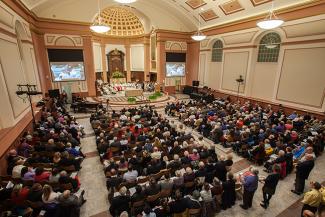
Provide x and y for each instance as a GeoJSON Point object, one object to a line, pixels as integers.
{"type": "Point", "coordinates": [195, 83]}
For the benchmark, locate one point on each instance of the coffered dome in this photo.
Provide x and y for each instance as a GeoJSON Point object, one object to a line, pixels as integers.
{"type": "Point", "coordinates": [122, 21]}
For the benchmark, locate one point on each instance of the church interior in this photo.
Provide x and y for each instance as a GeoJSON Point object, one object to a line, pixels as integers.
{"type": "Point", "coordinates": [180, 108]}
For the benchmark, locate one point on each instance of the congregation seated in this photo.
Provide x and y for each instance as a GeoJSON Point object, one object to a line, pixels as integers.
{"type": "Point", "coordinates": [42, 165]}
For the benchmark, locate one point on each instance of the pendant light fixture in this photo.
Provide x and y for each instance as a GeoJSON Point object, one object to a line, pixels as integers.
{"type": "Point", "coordinates": [271, 21]}
{"type": "Point", "coordinates": [98, 26]}
{"type": "Point", "coordinates": [125, 1]}
{"type": "Point", "coordinates": [198, 36]}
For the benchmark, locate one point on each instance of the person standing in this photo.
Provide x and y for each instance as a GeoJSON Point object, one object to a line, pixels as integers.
{"type": "Point", "coordinates": [250, 183]}
{"type": "Point", "coordinates": [303, 170]}
{"type": "Point", "coordinates": [270, 184]}
{"type": "Point", "coordinates": [312, 199]}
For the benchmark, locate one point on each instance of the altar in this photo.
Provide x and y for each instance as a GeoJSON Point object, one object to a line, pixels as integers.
{"type": "Point", "coordinates": [133, 92]}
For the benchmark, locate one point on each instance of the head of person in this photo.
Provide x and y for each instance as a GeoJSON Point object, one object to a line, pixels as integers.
{"type": "Point", "coordinates": [281, 153]}
{"type": "Point", "coordinates": [39, 171]}
{"type": "Point", "coordinates": [230, 176]}
{"type": "Point", "coordinates": [123, 191]}
{"type": "Point", "coordinates": [255, 171]}
{"type": "Point", "coordinates": [66, 194]}
{"type": "Point", "coordinates": [47, 189]}
{"type": "Point", "coordinates": [196, 195]}
{"type": "Point", "coordinates": [189, 170]}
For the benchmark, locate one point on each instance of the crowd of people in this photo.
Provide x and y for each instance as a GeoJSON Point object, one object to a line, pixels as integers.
{"type": "Point", "coordinates": [154, 167]}
{"type": "Point", "coordinates": [42, 171]}
{"type": "Point", "coordinates": [266, 136]}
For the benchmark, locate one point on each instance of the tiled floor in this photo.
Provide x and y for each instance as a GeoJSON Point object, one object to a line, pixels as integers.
{"type": "Point", "coordinates": [283, 204]}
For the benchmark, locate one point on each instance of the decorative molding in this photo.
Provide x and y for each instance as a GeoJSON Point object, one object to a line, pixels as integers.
{"type": "Point", "coordinates": [240, 37]}
{"type": "Point", "coordinates": [320, 104]}
{"type": "Point", "coordinates": [6, 17]}
{"type": "Point", "coordinates": [312, 31]}
{"type": "Point", "coordinates": [53, 39]}
{"type": "Point", "coordinates": [230, 7]}
{"type": "Point", "coordinates": [259, 2]}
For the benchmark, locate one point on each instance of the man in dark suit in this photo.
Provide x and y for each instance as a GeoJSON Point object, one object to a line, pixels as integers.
{"type": "Point", "coordinates": [303, 170]}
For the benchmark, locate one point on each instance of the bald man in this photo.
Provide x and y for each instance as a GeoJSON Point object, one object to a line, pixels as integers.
{"type": "Point", "coordinates": [303, 170]}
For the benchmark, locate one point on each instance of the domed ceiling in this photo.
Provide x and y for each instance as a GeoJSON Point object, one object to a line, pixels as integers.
{"type": "Point", "coordinates": [177, 15]}
{"type": "Point", "coordinates": [122, 21]}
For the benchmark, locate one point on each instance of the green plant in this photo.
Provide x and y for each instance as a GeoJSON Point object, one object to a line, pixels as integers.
{"type": "Point", "coordinates": [152, 97]}
{"type": "Point", "coordinates": [158, 94]}
{"type": "Point", "coordinates": [117, 74]}
{"type": "Point", "coordinates": [131, 100]}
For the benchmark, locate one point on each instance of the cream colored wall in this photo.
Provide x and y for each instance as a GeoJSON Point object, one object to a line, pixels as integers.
{"type": "Point", "coordinates": [302, 78]}
{"type": "Point", "coordinates": [297, 79]}
{"type": "Point", "coordinates": [137, 57]}
{"type": "Point", "coordinates": [264, 77]}
{"type": "Point", "coordinates": [97, 57]}
{"type": "Point", "coordinates": [17, 66]}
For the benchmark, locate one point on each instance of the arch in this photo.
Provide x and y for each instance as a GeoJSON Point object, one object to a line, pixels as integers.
{"type": "Point", "coordinates": [269, 47]}
{"type": "Point", "coordinates": [21, 35]}
{"type": "Point", "coordinates": [64, 41]}
{"type": "Point", "coordinates": [176, 46]}
{"type": "Point", "coordinates": [217, 51]}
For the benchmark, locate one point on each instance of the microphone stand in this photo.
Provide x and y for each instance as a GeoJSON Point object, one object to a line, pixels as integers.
{"type": "Point", "coordinates": [28, 90]}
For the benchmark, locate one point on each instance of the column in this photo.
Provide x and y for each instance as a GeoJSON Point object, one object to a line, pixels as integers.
{"type": "Point", "coordinates": [104, 62]}
{"type": "Point", "coordinates": [89, 65]}
{"type": "Point", "coordinates": [147, 60]}
{"type": "Point", "coordinates": [128, 62]}
{"type": "Point", "coordinates": [161, 61]}
{"type": "Point", "coordinates": [43, 67]}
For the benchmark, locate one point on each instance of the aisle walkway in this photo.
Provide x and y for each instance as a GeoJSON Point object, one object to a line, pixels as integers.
{"type": "Point", "coordinates": [91, 175]}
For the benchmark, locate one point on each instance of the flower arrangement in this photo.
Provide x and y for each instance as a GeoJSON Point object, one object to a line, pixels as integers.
{"type": "Point", "coordinates": [117, 74]}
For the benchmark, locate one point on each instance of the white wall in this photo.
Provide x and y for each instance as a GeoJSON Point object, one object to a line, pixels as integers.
{"type": "Point", "coordinates": [17, 66]}
{"type": "Point", "coordinates": [297, 79]}
{"type": "Point", "coordinates": [97, 57]}
{"type": "Point", "coordinates": [137, 57]}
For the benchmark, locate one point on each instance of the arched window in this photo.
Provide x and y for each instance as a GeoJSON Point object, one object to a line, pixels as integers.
{"type": "Point", "coordinates": [217, 51]}
{"type": "Point", "coordinates": [269, 48]}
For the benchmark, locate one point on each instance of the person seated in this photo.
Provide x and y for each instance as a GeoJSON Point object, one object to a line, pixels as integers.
{"type": "Point", "coordinates": [18, 197]}
{"type": "Point", "coordinates": [41, 175]}
{"type": "Point", "coordinates": [280, 159]}
{"type": "Point", "coordinates": [113, 180]}
{"type": "Point", "coordinates": [193, 202]}
{"type": "Point", "coordinates": [153, 188]}
{"type": "Point", "coordinates": [67, 161]}
{"type": "Point", "coordinates": [179, 205]}
{"type": "Point", "coordinates": [175, 164]}
{"type": "Point", "coordinates": [194, 156]}
{"type": "Point", "coordinates": [309, 150]}
{"type": "Point", "coordinates": [74, 151]}
{"type": "Point", "coordinates": [70, 203]}
{"type": "Point", "coordinates": [131, 175]}
{"type": "Point", "coordinates": [16, 171]}
{"type": "Point", "coordinates": [201, 173]}
{"type": "Point", "coordinates": [186, 159]}
{"type": "Point", "coordinates": [167, 183]}
{"type": "Point", "coordinates": [66, 179]}
{"type": "Point", "coordinates": [49, 196]}
{"type": "Point", "coordinates": [120, 203]}
{"type": "Point", "coordinates": [27, 173]}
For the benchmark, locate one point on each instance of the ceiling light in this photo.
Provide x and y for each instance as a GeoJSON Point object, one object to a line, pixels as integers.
{"type": "Point", "coordinates": [271, 21]}
{"type": "Point", "coordinates": [198, 36]}
{"type": "Point", "coordinates": [98, 26]}
{"type": "Point", "coordinates": [125, 1]}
